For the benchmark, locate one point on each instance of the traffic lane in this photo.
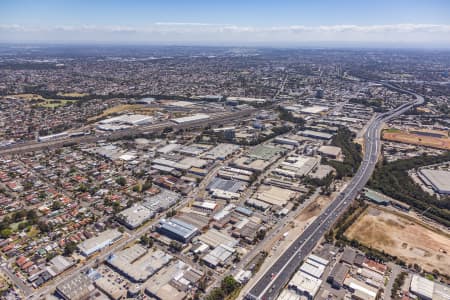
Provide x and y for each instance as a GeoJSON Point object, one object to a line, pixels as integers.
{"type": "Point", "coordinates": [314, 239]}
{"type": "Point", "coordinates": [293, 249]}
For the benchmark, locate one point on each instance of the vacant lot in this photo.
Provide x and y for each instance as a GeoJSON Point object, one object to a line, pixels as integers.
{"type": "Point", "coordinates": [54, 103]}
{"type": "Point", "coordinates": [404, 237]}
{"type": "Point", "coordinates": [75, 95]}
{"type": "Point", "coordinates": [314, 208]}
{"type": "Point", "coordinates": [27, 96]}
{"type": "Point", "coordinates": [115, 110]}
{"type": "Point", "coordinates": [43, 102]}
{"type": "Point", "coordinates": [416, 139]}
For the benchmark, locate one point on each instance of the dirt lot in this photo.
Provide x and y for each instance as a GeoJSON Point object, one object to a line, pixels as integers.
{"type": "Point", "coordinates": [77, 95]}
{"type": "Point", "coordinates": [314, 208]}
{"type": "Point", "coordinates": [404, 237]}
{"type": "Point", "coordinates": [415, 139]}
{"type": "Point", "coordinates": [28, 96]}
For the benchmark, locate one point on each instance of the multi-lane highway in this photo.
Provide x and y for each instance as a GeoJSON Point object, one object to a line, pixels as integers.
{"type": "Point", "coordinates": [215, 119]}
{"type": "Point", "coordinates": [276, 277]}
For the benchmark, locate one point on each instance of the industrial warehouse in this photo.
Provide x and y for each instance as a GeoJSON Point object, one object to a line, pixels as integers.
{"type": "Point", "coordinates": [177, 230]}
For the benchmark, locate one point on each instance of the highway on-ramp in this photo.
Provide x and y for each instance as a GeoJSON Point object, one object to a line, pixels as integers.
{"type": "Point", "coordinates": [278, 274]}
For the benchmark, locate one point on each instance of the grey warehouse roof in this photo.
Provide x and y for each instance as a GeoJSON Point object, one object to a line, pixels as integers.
{"type": "Point", "coordinates": [178, 227]}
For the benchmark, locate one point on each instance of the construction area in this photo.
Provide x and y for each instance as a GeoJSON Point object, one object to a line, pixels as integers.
{"type": "Point", "coordinates": [433, 139]}
{"type": "Point", "coordinates": [403, 236]}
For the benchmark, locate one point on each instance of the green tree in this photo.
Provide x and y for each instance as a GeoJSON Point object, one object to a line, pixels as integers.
{"type": "Point", "coordinates": [43, 227]}
{"type": "Point", "coordinates": [176, 246]}
{"type": "Point", "coordinates": [19, 215]}
{"type": "Point", "coordinates": [121, 181]}
{"type": "Point", "coordinates": [147, 185]}
{"type": "Point", "coordinates": [216, 294]}
{"type": "Point", "coordinates": [229, 284]}
{"type": "Point", "coordinates": [136, 188]}
{"type": "Point", "coordinates": [69, 248]}
{"type": "Point", "coordinates": [22, 225]}
{"type": "Point", "coordinates": [116, 207]}
{"type": "Point", "coordinates": [146, 241]}
{"type": "Point", "coordinates": [261, 234]}
{"type": "Point", "coordinates": [171, 213]}
{"type": "Point", "coordinates": [5, 233]}
{"type": "Point", "coordinates": [56, 205]}
{"type": "Point", "coordinates": [32, 216]}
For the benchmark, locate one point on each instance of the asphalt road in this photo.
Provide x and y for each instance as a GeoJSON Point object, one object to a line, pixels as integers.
{"type": "Point", "coordinates": [278, 275]}
{"type": "Point", "coordinates": [215, 119]}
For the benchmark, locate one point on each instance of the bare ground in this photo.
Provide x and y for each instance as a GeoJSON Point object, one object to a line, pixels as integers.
{"type": "Point", "coordinates": [404, 237]}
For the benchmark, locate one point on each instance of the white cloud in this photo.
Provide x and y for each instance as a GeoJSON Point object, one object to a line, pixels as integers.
{"type": "Point", "coordinates": [222, 33]}
{"type": "Point", "coordinates": [189, 24]}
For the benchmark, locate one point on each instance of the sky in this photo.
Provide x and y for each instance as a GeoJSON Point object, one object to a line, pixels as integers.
{"type": "Point", "coordinates": [395, 23]}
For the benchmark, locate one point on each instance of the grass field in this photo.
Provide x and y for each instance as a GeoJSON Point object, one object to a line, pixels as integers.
{"type": "Point", "coordinates": [392, 130]}
{"type": "Point", "coordinates": [135, 108]}
{"type": "Point", "coordinates": [415, 139]}
{"type": "Point", "coordinates": [43, 102]}
{"type": "Point", "coordinates": [28, 96]}
{"type": "Point", "coordinates": [54, 103]}
{"type": "Point", "coordinates": [403, 236]}
{"type": "Point", "coordinates": [75, 95]}
{"type": "Point", "coordinates": [33, 232]}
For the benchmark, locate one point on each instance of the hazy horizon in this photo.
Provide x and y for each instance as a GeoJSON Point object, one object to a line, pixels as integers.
{"type": "Point", "coordinates": [390, 24]}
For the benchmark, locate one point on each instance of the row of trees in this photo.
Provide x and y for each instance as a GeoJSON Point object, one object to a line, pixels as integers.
{"type": "Point", "coordinates": [376, 104]}
{"type": "Point", "coordinates": [344, 222]}
{"type": "Point", "coordinates": [351, 152]}
{"type": "Point", "coordinates": [228, 286]}
{"type": "Point", "coordinates": [286, 115]}
{"type": "Point", "coordinates": [26, 218]}
{"type": "Point", "coordinates": [393, 180]}
{"type": "Point", "coordinates": [398, 283]}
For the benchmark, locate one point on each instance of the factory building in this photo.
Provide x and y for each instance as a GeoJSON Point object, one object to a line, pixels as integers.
{"type": "Point", "coordinates": [233, 186]}
{"type": "Point", "coordinates": [316, 134]}
{"type": "Point", "coordinates": [313, 268]}
{"type": "Point", "coordinates": [338, 275]}
{"type": "Point", "coordinates": [237, 100]}
{"type": "Point", "coordinates": [193, 118]}
{"type": "Point", "coordinates": [438, 180]}
{"type": "Point", "coordinates": [132, 120]}
{"type": "Point", "coordinates": [330, 151]}
{"type": "Point", "coordinates": [221, 152]}
{"type": "Point", "coordinates": [218, 256]}
{"type": "Point", "coordinates": [135, 216]}
{"type": "Point", "coordinates": [204, 206]}
{"type": "Point", "coordinates": [137, 263]}
{"type": "Point", "coordinates": [104, 239]}
{"type": "Point", "coordinates": [305, 285]}
{"type": "Point", "coordinates": [177, 230]}
{"type": "Point", "coordinates": [52, 137]}
{"type": "Point", "coordinates": [75, 288]}
{"type": "Point", "coordinates": [428, 290]}
{"type": "Point", "coordinates": [315, 109]}
{"type": "Point", "coordinates": [285, 141]}
{"type": "Point", "coordinates": [161, 201]}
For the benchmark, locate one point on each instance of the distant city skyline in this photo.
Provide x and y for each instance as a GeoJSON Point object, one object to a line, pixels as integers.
{"type": "Point", "coordinates": [383, 23]}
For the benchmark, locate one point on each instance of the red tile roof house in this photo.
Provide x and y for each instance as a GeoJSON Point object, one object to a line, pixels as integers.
{"type": "Point", "coordinates": [21, 260]}
{"type": "Point", "coordinates": [8, 247]}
